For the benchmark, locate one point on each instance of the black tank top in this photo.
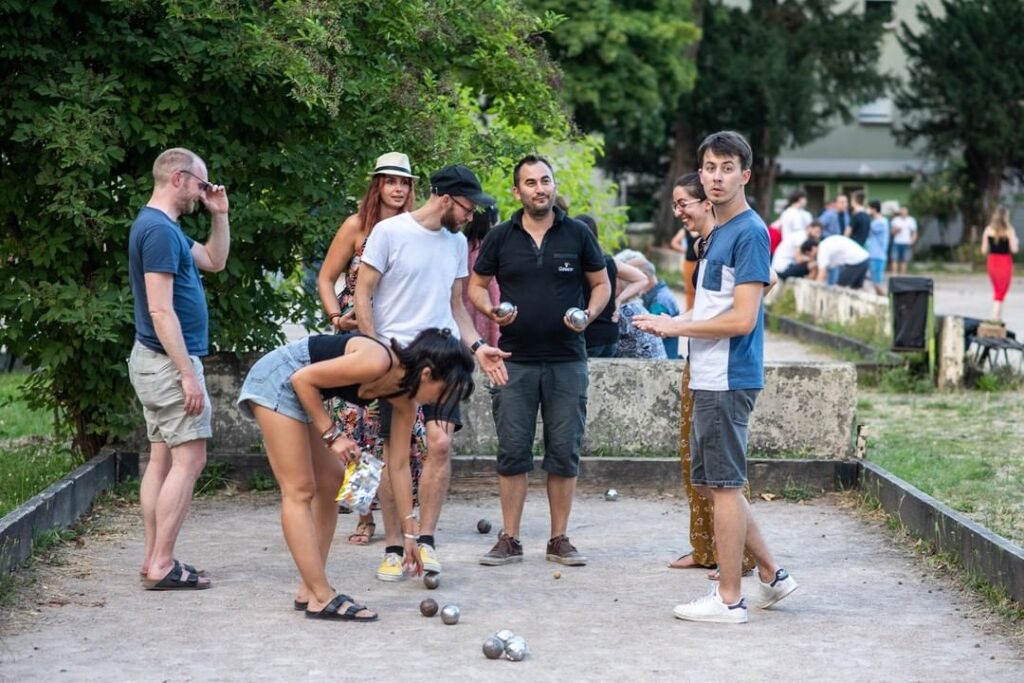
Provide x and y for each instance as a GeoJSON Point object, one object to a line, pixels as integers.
{"type": "Point", "coordinates": [329, 346]}
{"type": "Point", "coordinates": [998, 245]}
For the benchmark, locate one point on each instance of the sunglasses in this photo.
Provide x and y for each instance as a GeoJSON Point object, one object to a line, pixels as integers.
{"type": "Point", "coordinates": [203, 185]}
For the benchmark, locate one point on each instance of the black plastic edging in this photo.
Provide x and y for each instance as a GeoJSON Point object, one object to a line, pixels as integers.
{"type": "Point", "coordinates": [60, 504]}
{"type": "Point", "coordinates": [982, 553]}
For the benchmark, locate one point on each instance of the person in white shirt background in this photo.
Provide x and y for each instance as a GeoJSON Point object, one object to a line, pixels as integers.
{"type": "Point", "coordinates": [904, 235]}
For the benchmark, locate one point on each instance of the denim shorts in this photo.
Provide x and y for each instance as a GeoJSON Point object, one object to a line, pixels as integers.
{"type": "Point", "coordinates": [268, 383]}
{"type": "Point", "coordinates": [157, 383]}
{"type": "Point", "coordinates": [877, 270]}
{"type": "Point", "coordinates": [901, 253]}
{"type": "Point", "coordinates": [559, 389]}
{"type": "Point", "coordinates": [718, 437]}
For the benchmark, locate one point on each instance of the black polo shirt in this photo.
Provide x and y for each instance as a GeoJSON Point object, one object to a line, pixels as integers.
{"type": "Point", "coordinates": [860, 227]}
{"type": "Point", "coordinates": [543, 283]}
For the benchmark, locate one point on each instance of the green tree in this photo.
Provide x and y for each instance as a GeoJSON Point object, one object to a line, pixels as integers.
{"type": "Point", "coordinates": [289, 102]}
{"type": "Point", "coordinates": [625, 64]}
{"type": "Point", "coordinates": [782, 73]}
{"type": "Point", "coordinates": [964, 96]}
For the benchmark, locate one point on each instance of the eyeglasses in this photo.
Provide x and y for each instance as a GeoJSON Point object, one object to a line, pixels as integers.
{"type": "Point", "coordinates": [682, 205]}
{"type": "Point", "coordinates": [468, 209]}
{"type": "Point", "coordinates": [203, 185]}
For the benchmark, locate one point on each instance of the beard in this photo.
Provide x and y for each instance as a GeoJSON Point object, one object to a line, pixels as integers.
{"type": "Point", "coordinates": [449, 222]}
{"type": "Point", "coordinates": [540, 209]}
{"type": "Point", "coordinates": [187, 205]}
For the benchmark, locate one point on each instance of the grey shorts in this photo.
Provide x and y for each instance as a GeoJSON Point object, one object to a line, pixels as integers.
{"type": "Point", "coordinates": [268, 383]}
{"type": "Point", "coordinates": [560, 391]}
{"type": "Point", "coordinates": [718, 437]}
{"type": "Point", "coordinates": [157, 383]}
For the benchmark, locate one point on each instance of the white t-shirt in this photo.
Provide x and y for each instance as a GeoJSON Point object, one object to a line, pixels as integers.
{"type": "Point", "coordinates": [418, 267]}
{"type": "Point", "coordinates": [903, 228]}
{"type": "Point", "coordinates": [795, 219]}
{"type": "Point", "coordinates": [836, 251]}
{"type": "Point", "coordinates": [785, 253]}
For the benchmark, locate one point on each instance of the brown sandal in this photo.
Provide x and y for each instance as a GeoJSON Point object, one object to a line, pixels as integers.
{"type": "Point", "coordinates": [363, 533]}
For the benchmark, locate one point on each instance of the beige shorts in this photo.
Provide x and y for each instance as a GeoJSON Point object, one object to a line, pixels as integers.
{"type": "Point", "coordinates": [157, 383]}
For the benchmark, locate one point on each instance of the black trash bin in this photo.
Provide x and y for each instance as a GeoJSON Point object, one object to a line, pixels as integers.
{"type": "Point", "coordinates": [911, 307]}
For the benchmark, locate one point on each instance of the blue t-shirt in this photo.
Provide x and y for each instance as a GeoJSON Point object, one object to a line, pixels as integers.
{"type": "Point", "coordinates": [156, 244]}
{"type": "Point", "coordinates": [660, 299]}
{"type": "Point", "coordinates": [737, 254]}
{"type": "Point", "coordinates": [878, 239]}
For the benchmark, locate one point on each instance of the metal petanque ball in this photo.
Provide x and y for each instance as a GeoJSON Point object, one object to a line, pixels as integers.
{"type": "Point", "coordinates": [483, 526]}
{"type": "Point", "coordinates": [515, 649]}
{"type": "Point", "coordinates": [577, 318]}
{"type": "Point", "coordinates": [428, 607]}
{"type": "Point", "coordinates": [493, 648]}
{"type": "Point", "coordinates": [450, 614]}
{"type": "Point", "coordinates": [504, 309]}
{"type": "Point", "coordinates": [431, 580]}
{"type": "Point", "coordinates": [611, 495]}
{"type": "Point", "coordinates": [504, 635]}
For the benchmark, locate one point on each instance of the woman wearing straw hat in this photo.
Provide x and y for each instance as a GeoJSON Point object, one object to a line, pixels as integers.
{"type": "Point", "coordinates": [391, 192]}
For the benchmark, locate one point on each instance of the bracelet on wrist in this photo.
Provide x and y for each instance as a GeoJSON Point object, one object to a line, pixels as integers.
{"type": "Point", "coordinates": [332, 434]}
{"type": "Point", "coordinates": [332, 316]}
{"type": "Point", "coordinates": [476, 345]}
{"type": "Point", "coordinates": [411, 537]}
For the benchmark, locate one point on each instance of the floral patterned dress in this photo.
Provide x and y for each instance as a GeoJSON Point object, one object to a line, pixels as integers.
{"type": "Point", "coordinates": [362, 424]}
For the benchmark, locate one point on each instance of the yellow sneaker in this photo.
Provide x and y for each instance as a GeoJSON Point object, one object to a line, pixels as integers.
{"type": "Point", "coordinates": [391, 568]}
{"type": "Point", "coordinates": [428, 556]}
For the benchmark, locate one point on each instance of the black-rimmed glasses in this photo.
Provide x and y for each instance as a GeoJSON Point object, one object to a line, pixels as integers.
{"type": "Point", "coordinates": [682, 205]}
{"type": "Point", "coordinates": [203, 184]}
{"type": "Point", "coordinates": [468, 209]}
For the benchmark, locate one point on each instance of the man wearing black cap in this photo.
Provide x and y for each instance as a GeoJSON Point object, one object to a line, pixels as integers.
{"type": "Point", "coordinates": [546, 263]}
{"type": "Point", "coordinates": [411, 279]}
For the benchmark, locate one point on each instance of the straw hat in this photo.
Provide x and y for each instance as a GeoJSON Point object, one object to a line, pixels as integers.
{"type": "Point", "coordinates": [394, 163]}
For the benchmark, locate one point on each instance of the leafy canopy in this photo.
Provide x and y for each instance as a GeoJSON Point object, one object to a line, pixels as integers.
{"type": "Point", "coordinates": [288, 102]}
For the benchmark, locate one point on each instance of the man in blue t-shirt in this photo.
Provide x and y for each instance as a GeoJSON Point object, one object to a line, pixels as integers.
{"type": "Point", "coordinates": [727, 372]}
{"type": "Point", "coordinates": [170, 337]}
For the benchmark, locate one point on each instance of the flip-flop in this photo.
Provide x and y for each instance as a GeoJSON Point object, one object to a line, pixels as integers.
{"type": "Point", "coordinates": [331, 612]}
{"type": "Point", "coordinates": [675, 564]}
{"type": "Point", "coordinates": [716, 575]}
{"type": "Point", "coordinates": [187, 567]}
{"type": "Point", "coordinates": [173, 581]}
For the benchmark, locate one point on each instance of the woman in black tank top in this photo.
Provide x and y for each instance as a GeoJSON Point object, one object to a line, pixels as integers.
{"type": "Point", "coordinates": [285, 391]}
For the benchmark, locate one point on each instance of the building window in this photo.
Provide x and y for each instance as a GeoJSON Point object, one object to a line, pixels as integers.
{"type": "Point", "coordinates": [877, 113]}
{"type": "Point", "coordinates": [880, 10]}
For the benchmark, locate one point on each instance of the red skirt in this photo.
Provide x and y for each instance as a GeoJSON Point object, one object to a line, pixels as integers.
{"type": "Point", "coordinates": [1000, 271]}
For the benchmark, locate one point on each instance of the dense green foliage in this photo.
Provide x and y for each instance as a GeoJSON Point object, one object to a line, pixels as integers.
{"type": "Point", "coordinates": [964, 96]}
{"type": "Point", "coordinates": [289, 102]}
{"type": "Point", "coordinates": [626, 65]}
{"type": "Point", "coordinates": [781, 72]}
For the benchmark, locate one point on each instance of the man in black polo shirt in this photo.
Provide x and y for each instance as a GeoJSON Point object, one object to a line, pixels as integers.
{"type": "Point", "coordinates": [860, 220]}
{"type": "Point", "coordinates": [545, 263]}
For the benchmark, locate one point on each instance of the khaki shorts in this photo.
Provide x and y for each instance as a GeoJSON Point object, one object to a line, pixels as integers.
{"type": "Point", "coordinates": [157, 383]}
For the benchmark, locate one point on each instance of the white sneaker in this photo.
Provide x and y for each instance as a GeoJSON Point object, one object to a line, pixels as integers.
{"type": "Point", "coordinates": [711, 608]}
{"type": "Point", "coordinates": [770, 593]}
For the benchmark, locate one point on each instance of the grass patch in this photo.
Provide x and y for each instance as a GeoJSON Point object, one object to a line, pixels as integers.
{"type": "Point", "coordinates": [27, 469]}
{"type": "Point", "coordinates": [261, 482]}
{"type": "Point", "coordinates": [213, 478]}
{"type": "Point", "coordinates": [17, 419]}
{"type": "Point", "coordinates": [961, 449]}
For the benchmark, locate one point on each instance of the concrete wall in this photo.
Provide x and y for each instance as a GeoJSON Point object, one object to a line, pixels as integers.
{"type": "Point", "coordinates": [633, 410]}
{"type": "Point", "coordinates": [838, 304]}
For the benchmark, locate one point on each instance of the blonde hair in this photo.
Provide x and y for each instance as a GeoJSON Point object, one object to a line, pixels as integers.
{"type": "Point", "coordinates": [1000, 223]}
{"type": "Point", "coordinates": [171, 160]}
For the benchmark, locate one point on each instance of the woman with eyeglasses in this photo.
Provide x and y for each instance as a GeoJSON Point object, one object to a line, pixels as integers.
{"type": "Point", "coordinates": [285, 393]}
{"type": "Point", "coordinates": [391, 192]}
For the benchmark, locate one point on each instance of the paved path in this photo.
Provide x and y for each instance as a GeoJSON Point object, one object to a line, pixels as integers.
{"type": "Point", "coordinates": [866, 610]}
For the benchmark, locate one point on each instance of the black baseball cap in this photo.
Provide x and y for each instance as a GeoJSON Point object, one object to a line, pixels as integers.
{"type": "Point", "coordinates": [459, 181]}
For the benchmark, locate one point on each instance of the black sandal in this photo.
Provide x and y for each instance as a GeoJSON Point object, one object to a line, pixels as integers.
{"type": "Point", "coordinates": [350, 614]}
{"type": "Point", "coordinates": [173, 581]}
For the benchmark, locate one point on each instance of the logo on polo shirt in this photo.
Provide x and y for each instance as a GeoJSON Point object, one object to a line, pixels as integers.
{"type": "Point", "coordinates": [566, 267]}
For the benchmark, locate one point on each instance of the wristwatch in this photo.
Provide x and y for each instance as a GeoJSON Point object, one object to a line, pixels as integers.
{"type": "Point", "coordinates": [477, 344]}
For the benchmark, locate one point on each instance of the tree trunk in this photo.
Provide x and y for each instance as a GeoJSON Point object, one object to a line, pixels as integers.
{"type": "Point", "coordinates": [762, 186]}
{"type": "Point", "coordinates": [683, 160]}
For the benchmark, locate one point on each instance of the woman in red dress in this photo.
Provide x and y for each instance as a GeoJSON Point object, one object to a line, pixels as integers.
{"type": "Point", "coordinates": [999, 244]}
